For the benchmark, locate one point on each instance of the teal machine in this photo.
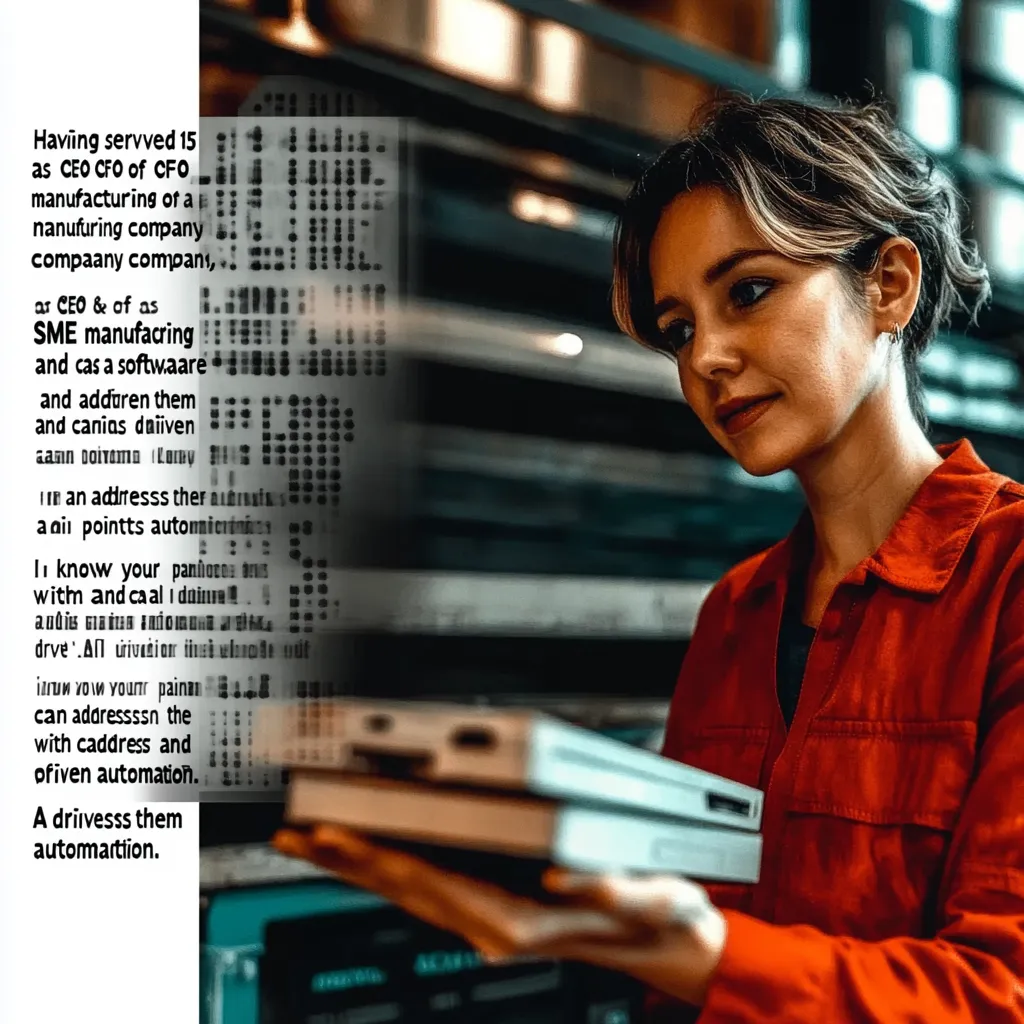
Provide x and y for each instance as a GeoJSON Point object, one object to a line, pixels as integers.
{"type": "Point", "coordinates": [242, 890]}
{"type": "Point", "coordinates": [281, 943]}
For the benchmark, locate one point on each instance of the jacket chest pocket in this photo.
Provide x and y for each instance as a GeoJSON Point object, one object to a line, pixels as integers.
{"type": "Point", "coordinates": [870, 819]}
{"type": "Point", "coordinates": [736, 753]}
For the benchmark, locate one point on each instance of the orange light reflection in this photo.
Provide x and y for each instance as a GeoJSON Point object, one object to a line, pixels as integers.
{"type": "Point", "coordinates": [296, 33]}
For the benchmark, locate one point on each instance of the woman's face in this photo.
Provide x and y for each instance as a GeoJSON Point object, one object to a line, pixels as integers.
{"type": "Point", "coordinates": [774, 356]}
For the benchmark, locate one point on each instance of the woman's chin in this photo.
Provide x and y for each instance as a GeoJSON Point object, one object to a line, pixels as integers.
{"type": "Point", "coordinates": [764, 457]}
{"type": "Point", "coordinates": [768, 468]}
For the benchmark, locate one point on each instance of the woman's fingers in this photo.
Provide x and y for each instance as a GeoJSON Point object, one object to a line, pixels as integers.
{"type": "Point", "coordinates": [555, 927]}
{"type": "Point", "coordinates": [343, 841]}
{"type": "Point", "coordinates": [652, 902]}
{"type": "Point", "coordinates": [660, 899]}
{"type": "Point", "coordinates": [291, 844]}
{"type": "Point", "coordinates": [354, 870]}
{"type": "Point", "coordinates": [657, 900]}
{"type": "Point", "coordinates": [498, 923]}
{"type": "Point", "coordinates": [447, 900]}
{"type": "Point", "coordinates": [569, 883]}
{"type": "Point", "coordinates": [384, 872]}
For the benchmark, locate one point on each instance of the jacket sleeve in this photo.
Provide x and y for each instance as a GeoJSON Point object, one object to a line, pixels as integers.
{"type": "Point", "coordinates": [972, 970]}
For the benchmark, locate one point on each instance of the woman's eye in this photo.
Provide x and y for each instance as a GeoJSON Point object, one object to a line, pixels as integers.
{"type": "Point", "coordinates": [677, 335]}
{"type": "Point", "coordinates": [746, 293]}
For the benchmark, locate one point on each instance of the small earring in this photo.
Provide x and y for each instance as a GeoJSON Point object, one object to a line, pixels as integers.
{"type": "Point", "coordinates": [896, 333]}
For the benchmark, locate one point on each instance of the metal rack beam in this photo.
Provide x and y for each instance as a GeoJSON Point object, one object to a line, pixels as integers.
{"type": "Point", "coordinates": [631, 36]}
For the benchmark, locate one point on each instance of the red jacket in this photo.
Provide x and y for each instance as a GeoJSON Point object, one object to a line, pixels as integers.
{"type": "Point", "coordinates": [892, 879]}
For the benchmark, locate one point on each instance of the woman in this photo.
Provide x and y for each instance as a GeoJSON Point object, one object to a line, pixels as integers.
{"type": "Point", "coordinates": [868, 671]}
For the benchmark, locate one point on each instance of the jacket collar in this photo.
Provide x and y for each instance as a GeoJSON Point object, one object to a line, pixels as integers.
{"type": "Point", "coordinates": [926, 543]}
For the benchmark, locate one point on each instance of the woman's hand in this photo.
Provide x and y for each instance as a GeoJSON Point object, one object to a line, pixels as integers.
{"type": "Point", "coordinates": [663, 930]}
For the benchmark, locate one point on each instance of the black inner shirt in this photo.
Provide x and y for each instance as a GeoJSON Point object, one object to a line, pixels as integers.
{"type": "Point", "coordinates": [795, 638]}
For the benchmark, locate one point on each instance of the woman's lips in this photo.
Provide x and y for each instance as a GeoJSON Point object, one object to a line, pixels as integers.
{"type": "Point", "coordinates": [740, 420]}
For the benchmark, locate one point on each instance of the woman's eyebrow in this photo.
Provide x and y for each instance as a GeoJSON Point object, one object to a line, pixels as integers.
{"type": "Point", "coordinates": [712, 274]}
{"type": "Point", "coordinates": [724, 265]}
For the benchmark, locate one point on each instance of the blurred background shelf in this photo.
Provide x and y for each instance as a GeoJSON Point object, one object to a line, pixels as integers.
{"type": "Point", "coordinates": [551, 472]}
{"type": "Point", "coordinates": [563, 513]}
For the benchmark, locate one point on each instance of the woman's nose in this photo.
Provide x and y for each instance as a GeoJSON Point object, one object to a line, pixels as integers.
{"type": "Point", "coordinates": [714, 350]}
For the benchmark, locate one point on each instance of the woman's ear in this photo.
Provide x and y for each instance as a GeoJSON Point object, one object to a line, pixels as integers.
{"type": "Point", "coordinates": [894, 283]}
